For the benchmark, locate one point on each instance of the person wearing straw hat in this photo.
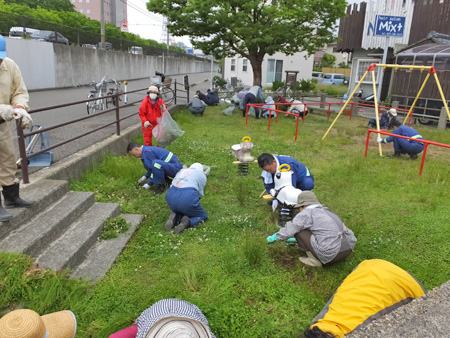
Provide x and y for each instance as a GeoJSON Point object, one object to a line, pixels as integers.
{"type": "Point", "coordinates": [319, 232]}
{"type": "Point", "coordinates": [13, 105]}
{"type": "Point", "coordinates": [374, 288]}
{"type": "Point", "coordinates": [169, 318]}
{"type": "Point", "coordinates": [385, 119]}
{"type": "Point", "coordinates": [28, 324]}
{"type": "Point", "coordinates": [149, 112]}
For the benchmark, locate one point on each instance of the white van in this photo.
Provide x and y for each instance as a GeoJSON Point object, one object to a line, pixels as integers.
{"type": "Point", "coordinates": [20, 32]}
{"type": "Point", "coordinates": [136, 50]}
{"type": "Point", "coordinates": [318, 76]}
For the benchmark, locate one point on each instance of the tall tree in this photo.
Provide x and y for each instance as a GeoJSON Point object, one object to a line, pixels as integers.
{"type": "Point", "coordinates": [252, 28]}
{"type": "Point", "coordinates": [328, 60]}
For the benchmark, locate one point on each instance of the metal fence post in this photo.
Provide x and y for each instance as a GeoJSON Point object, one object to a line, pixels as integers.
{"type": "Point", "coordinates": [22, 152]}
{"type": "Point", "coordinates": [175, 91]}
{"type": "Point", "coordinates": [116, 98]}
{"type": "Point", "coordinates": [187, 93]}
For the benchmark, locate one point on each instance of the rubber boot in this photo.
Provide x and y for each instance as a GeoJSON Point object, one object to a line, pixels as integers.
{"type": "Point", "coordinates": [160, 188]}
{"type": "Point", "coordinates": [184, 224]}
{"type": "Point", "coordinates": [310, 260]}
{"type": "Point", "coordinates": [397, 154]}
{"type": "Point", "coordinates": [4, 215]}
{"type": "Point", "coordinates": [413, 156]}
{"type": "Point", "coordinates": [170, 221]}
{"type": "Point", "coordinates": [12, 198]}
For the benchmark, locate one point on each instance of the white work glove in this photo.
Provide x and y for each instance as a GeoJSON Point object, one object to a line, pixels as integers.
{"type": "Point", "coordinates": [146, 124]}
{"type": "Point", "coordinates": [146, 186]}
{"type": "Point", "coordinates": [379, 139]}
{"type": "Point", "coordinates": [274, 204]}
{"type": "Point", "coordinates": [7, 112]}
{"type": "Point", "coordinates": [272, 192]}
{"type": "Point", "coordinates": [142, 179]}
{"type": "Point", "coordinates": [27, 122]}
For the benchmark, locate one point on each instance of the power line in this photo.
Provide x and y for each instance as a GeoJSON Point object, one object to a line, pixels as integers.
{"type": "Point", "coordinates": [140, 10]}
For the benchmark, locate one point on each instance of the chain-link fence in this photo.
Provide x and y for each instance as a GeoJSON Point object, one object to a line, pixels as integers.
{"type": "Point", "coordinates": [76, 36]}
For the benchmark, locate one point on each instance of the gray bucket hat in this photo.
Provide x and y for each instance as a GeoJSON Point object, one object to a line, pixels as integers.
{"type": "Point", "coordinates": [306, 198]}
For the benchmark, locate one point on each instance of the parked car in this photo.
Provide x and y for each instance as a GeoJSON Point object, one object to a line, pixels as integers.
{"type": "Point", "coordinates": [333, 79]}
{"type": "Point", "coordinates": [108, 46]}
{"type": "Point", "coordinates": [347, 80]}
{"type": "Point", "coordinates": [86, 45]}
{"type": "Point", "coordinates": [318, 76]}
{"type": "Point", "coordinates": [21, 32]}
{"type": "Point", "coordinates": [49, 36]}
{"type": "Point", "coordinates": [136, 50]}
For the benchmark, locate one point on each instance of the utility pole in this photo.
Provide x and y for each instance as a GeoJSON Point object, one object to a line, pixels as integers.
{"type": "Point", "coordinates": [102, 24]}
{"type": "Point", "coordinates": [168, 38]}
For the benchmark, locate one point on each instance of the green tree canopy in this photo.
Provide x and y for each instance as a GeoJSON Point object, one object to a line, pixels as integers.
{"type": "Point", "coordinates": [328, 60]}
{"type": "Point", "coordinates": [57, 5]}
{"type": "Point", "coordinates": [252, 28]}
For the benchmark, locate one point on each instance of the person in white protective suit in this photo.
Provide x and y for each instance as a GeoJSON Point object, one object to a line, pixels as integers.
{"type": "Point", "coordinates": [13, 105]}
{"type": "Point", "coordinates": [319, 232]}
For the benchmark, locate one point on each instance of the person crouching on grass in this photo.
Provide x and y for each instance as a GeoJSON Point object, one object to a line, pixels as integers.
{"type": "Point", "coordinates": [183, 198]}
{"type": "Point", "coordinates": [319, 232]}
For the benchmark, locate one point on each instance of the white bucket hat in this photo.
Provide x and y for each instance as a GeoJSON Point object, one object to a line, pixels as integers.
{"type": "Point", "coordinates": [178, 327]}
{"type": "Point", "coordinates": [393, 112]}
{"type": "Point", "coordinates": [28, 324]}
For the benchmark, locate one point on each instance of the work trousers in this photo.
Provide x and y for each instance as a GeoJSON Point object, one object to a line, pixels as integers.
{"type": "Point", "coordinates": [407, 147]}
{"type": "Point", "coordinates": [307, 183]}
{"type": "Point", "coordinates": [186, 202]}
{"type": "Point", "coordinates": [161, 169]}
{"type": "Point", "coordinates": [147, 133]}
{"type": "Point", "coordinates": [304, 242]}
{"type": "Point", "coordinates": [8, 165]}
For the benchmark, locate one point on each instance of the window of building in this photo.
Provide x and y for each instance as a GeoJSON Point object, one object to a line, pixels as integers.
{"type": "Point", "coordinates": [81, 1]}
{"type": "Point", "coordinates": [244, 65]}
{"type": "Point", "coordinates": [233, 65]}
{"type": "Point", "coordinates": [274, 70]}
{"type": "Point", "coordinates": [73, 0]}
{"type": "Point", "coordinates": [363, 64]}
{"type": "Point", "coordinates": [88, 11]}
{"type": "Point", "coordinates": [88, 1]}
{"type": "Point", "coordinates": [81, 10]}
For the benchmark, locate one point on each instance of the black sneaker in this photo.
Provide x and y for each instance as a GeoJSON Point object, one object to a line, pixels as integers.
{"type": "Point", "coordinates": [170, 222]}
{"type": "Point", "coordinates": [413, 156]}
{"type": "Point", "coordinates": [160, 188]}
{"type": "Point", "coordinates": [185, 223]}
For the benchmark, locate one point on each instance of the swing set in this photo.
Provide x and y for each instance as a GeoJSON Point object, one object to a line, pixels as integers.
{"type": "Point", "coordinates": [431, 70]}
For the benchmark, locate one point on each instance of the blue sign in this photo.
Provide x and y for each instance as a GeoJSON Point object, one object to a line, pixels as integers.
{"type": "Point", "coordinates": [190, 51]}
{"type": "Point", "coordinates": [386, 25]}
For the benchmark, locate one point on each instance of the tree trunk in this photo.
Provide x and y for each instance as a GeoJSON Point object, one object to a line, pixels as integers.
{"type": "Point", "coordinates": [256, 63]}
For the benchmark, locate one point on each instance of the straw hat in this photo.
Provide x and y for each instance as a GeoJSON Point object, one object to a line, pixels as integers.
{"type": "Point", "coordinates": [28, 324]}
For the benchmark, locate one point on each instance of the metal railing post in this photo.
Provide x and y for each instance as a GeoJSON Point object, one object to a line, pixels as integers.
{"type": "Point", "coordinates": [175, 91]}
{"type": "Point", "coordinates": [188, 88]}
{"type": "Point", "coordinates": [116, 98]}
{"type": "Point", "coordinates": [22, 152]}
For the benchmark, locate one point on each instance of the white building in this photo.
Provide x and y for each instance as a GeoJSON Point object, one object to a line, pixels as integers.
{"type": "Point", "coordinates": [274, 67]}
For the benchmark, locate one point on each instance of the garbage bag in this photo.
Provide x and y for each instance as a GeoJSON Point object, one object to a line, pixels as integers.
{"type": "Point", "coordinates": [167, 130]}
{"type": "Point", "coordinates": [228, 111]}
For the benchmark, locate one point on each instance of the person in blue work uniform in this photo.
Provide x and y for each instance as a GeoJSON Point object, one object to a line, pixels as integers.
{"type": "Point", "coordinates": [212, 97]}
{"type": "Point", "coordinates": [250, 98]}
{"type": "Point", "coordinates": [159, 162]}
{"type": "Point", "coordinates": [183, 198]}
{"type": "Point", "coordinates": [301, 179]}
{"type": "Point", "coordinates": [385, 119]}
{"type": "Point", "coordinates": [401, 145]}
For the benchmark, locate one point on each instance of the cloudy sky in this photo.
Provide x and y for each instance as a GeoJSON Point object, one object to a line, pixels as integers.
{"type": "Point", "coordinates": [149, 25]}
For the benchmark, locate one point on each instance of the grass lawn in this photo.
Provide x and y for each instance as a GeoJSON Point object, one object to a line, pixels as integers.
{"type": "Point", "coordinates": [244, 286]}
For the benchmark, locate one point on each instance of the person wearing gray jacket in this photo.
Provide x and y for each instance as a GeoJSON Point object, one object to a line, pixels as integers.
{"type": "Point", "coordinates": [196, 106]}
{"type": "Point", "coordinates": [319, 232]}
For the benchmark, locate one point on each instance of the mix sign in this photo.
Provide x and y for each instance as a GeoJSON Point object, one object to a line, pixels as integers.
{"type": "Point", "coordinates": [386, 25]}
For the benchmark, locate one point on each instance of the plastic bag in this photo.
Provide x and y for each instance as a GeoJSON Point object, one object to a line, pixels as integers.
{"type": "Point", "coordinates": [167, 130]}
{"type": "Point", "coordinates": [228, 111]}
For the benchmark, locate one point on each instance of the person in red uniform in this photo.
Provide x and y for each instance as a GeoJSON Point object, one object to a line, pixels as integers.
{"type": "Point", "coordinates": [151, 108]}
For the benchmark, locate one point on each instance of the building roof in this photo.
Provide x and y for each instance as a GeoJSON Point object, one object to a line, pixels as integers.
{"type": "Point", "coordinates": [434, 43]}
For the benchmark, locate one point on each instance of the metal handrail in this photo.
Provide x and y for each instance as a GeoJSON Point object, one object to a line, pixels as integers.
{"type": "Point", "coordinates": [22, 135]}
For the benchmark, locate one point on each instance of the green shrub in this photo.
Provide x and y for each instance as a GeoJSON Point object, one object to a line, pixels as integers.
{"type": "Point", "coordinates": [113, 227]}
{"type": "Point", "coordinates": [277, 85]}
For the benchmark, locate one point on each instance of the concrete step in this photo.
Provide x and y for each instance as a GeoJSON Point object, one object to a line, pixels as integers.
{"type": "Point", "coordinates": [34, 236]}
{"type": "Point", "coordinates": [44, 193]}
{"type": "Point", "coordinates": [103, 254]}
{"type": "Point", "coordinates": [70, 249]}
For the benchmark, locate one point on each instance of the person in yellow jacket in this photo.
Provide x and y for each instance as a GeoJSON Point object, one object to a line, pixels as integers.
{"type": "Point", "coordinates": [375, 287]}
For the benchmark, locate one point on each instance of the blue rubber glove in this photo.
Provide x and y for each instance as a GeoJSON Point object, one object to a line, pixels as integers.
{"type": "Point", "coordinates": [273, 238]}
{"type": "Point", "coordinates": [291, 240]}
